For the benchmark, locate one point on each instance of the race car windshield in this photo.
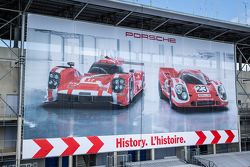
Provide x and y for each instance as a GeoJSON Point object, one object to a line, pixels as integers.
{"type": "Point", "coordinates": [192, 78]}
{"type": "Point", "coordinates": [99, 68]}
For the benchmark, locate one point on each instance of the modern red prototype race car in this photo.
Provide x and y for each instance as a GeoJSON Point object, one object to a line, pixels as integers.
{"type": "Point", "coordinates": [105, 82]}
{"type": "Point", "coordinates": [190, 88]}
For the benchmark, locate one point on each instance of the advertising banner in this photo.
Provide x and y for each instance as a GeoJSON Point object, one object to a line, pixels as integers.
{"type": "Point", "coordinates": [92, 88]}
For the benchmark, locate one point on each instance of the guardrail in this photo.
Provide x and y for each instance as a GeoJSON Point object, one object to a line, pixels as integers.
{"type": "Point", "coordinates": [193, 156]}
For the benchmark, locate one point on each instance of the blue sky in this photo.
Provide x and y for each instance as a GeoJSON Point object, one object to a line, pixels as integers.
{"type": "Point", "coordinates": [229, 10]}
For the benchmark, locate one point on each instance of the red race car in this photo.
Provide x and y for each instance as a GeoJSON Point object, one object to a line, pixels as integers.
{"type": "Point", "coordinates": [190, 88]}
{"type": "Point", "coordinates": [105, 82]}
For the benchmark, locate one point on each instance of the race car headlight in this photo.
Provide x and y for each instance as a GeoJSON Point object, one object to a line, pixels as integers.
{"type": "Point", "coordinates": [56, 76]}
{"type": "Point", "coordinates": [222, 92]}
{"type": "Point", "coordinates": [184, 95]}
{"type": "Point", "coordinates": [122, 81]}
{"type": "Point", "coordinates": [118, 85]}
{"type": "Point", "coordinates": [178, 89]}
{"type": "Point", "coordinates": [54, 79]}
{"type": "Point", "coordinates": [55, 83]}
{"type": "Point", "coordinates": [51, 75]}
{"type": "Point", "coordinates": [181, 92]}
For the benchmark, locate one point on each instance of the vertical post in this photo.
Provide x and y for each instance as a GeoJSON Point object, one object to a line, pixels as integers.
{"type": "Point", "coordinates": [152, 154]}
{"type": "Point", "coordinates": [240, 60]}
{"type": "Point", "coordinates": [138, 156]}
{"type": "Point", "coordinates": [214, 148]}
{"type": "Point", "coordinates": [115, 158]}
{"type": "Point", "coordinates": [239, 133]}
{"type": "Point", "coordinates": [20, 100]}
{"type": "Point", "coordinates": [16, 36]}
{"type": "Point", "coordinates": [10, 35]}
{"type": "Point", "coordinates": [60, 162]}
{"type": "Point", "coordinates": [70, 161]}
{"type": "Point", "coordinates": [236, 92]}
{"type": "Point", "coordinates": [186, 153]}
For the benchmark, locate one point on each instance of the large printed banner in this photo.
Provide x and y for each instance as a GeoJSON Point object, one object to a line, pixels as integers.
{"type": "Point", "coordinates": [92, 88]}
{"type": "Point", "coordinates": [41, 148]}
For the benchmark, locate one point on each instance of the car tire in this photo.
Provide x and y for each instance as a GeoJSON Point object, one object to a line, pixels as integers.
{"type": "Point", "coordinates": [160, 91]}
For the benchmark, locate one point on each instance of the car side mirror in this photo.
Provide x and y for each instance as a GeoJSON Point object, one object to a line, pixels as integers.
{"type": "Point", "coordinates": [131, 70]}
{"type": "Point", "coordinates": [71, 64]}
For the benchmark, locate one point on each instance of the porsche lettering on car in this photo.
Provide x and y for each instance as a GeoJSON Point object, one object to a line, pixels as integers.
{"type": "Point", "coordinates": [190, 88]}
{"type": "Point", "coordinates": [105, 82]}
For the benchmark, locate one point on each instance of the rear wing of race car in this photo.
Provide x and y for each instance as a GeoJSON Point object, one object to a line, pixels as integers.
{"type": "Point", "coordinates": [167, 73]}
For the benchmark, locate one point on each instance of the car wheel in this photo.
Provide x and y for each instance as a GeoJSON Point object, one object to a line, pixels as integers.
{"type": "Point", "coordinates": [160, 91]}
{"type": "Point", "coordinates": [131, 90]}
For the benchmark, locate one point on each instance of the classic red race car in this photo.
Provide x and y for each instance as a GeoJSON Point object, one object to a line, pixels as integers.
{"type": "Point", "coordinates": [190, 88]}
{"type": "Point", "coordinates": [105, 82]}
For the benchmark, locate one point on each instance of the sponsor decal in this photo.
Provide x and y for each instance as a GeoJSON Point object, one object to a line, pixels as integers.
{"type": "Point", "coordinates": [201, 89]}
{"type": "Point", "coordinates": [204, 95]}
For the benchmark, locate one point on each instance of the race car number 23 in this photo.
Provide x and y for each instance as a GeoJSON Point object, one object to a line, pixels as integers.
{"type": "Point", "coordinates": [201, 89]}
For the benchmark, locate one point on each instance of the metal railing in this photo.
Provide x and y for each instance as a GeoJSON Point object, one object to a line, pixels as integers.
{"type": "Point", "coordinates": [204, 162]}
{"type": "Point", "coordinates": [193, 156]}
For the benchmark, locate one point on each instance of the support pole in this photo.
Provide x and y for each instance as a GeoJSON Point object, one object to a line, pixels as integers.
{"type": "Point", "coordinates": [20, 100]}
{"type": "Point", "coordinates": [70, 161]}
{"type": "Point", "coordinates": [214, 148]}
{"type": "Point", "coordinates": [186, 153]}
{"type": "Point", "coordinates": [236, 92]}
{"type": "Point", "coordinates": [16, 36]}
{"type": "Point", "coordinates": [138, 156]}
{"type": "Point", "coordinates": [152, 154]}
{"type": "Point", "coordinates": [115, 158]}
{"type": "Point", "coordinates": [60, 162]}
{"type": "Point", "coordinates": [240, 62]}
{"type": "Point", "coordinates": [10, 45]}
{"type": "Point", "coordinates": [239, 133]}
